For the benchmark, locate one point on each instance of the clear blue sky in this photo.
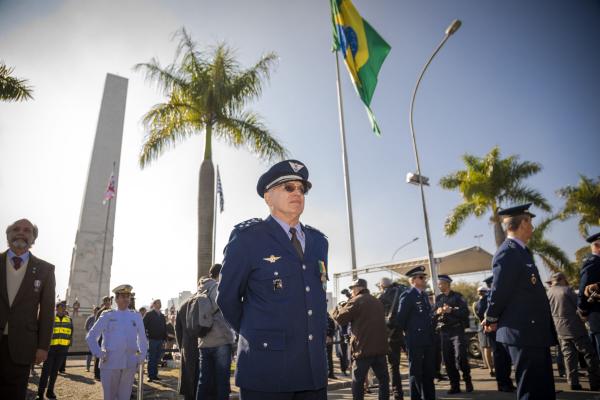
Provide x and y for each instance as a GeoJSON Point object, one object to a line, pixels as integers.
{"type": "Point", "coordinates": [521, 75]}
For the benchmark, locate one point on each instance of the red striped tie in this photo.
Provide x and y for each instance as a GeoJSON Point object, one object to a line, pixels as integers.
{"type": "Point", "coordinates": [17, 262]}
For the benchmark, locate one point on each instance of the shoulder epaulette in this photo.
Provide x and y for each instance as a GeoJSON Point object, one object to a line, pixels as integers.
{"type": "Point", "coordinates": [246, 224]}
{"type": "Point", "coordinates": [315, 229]}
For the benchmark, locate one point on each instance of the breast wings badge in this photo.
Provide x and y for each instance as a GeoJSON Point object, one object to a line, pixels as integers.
{"type": "Point", "coordinates": [272, 258]}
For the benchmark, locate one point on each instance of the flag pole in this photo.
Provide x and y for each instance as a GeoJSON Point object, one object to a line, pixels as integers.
{"type": "Point", "coordinates": [104, 243]}
{"type": "Point", "coordinates": [214, 219]}
{"type": "Point", "coordinates": [345, 164]}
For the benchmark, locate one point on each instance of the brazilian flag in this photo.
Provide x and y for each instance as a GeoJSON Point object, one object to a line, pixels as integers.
{"type": "Point", "coordinates": [364, 50]}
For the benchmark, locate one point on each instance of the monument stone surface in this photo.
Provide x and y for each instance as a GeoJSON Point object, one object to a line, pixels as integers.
{"type": "Point", "coordinates": [89, 277]}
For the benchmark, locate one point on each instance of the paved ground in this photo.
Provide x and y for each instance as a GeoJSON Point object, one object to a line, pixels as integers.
{"type": "Point", "coordinates": [78, 384]}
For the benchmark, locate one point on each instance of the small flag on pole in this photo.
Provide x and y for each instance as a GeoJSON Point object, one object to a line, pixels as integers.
{"type": "Point", "coordinates": [110, 190]}
{"type": "Point", "coordinates": [220, 192]}
{"type": "Point", "coordinates": [363, 49]}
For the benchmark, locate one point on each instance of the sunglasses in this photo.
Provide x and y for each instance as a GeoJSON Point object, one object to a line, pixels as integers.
{"type": "Point", "coordinates": [291, 188]}
{"type": "Point", "coordinates": [422, 277]}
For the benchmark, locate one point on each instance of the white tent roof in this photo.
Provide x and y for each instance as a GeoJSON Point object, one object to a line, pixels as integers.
{"type": "Point", "coordinates": [461, 261]}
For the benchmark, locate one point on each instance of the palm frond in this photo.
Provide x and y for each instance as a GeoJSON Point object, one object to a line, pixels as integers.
{"type": "Point", "coordinates": [247, 129]}
{"type": "Point", "coordinates": [11, 88]}
{"type": "Point", "coordinates": [458, 216]}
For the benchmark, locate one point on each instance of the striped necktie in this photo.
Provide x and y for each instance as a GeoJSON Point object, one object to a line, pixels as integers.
{"type": "Point", "coordinates": [296, 243]}
{"type": "Point", "coordinates": [17, 261]}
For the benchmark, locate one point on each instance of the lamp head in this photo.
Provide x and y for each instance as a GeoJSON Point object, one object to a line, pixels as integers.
{"type": "Point", "coordinates": [453, 27]}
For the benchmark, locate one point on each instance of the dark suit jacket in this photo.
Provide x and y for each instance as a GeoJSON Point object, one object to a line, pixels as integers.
{"type": "Point", "coordinates": [188, 347]}
{"type": "Point", "coordinates": [31, 316]}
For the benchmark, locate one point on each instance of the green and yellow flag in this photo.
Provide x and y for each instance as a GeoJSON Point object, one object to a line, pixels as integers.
{"type": "Point", "coordinates": [364, 50]}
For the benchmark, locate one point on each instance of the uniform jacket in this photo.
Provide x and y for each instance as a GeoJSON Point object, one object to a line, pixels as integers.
{"type": "Point", "coordinates": [124, 343]}
{"type": "Point", "coordinates": [458, 317]}
{"type": "Point", "coordinates": [563, 304]}
{"type": "Point", "coordinates": [518, 299]}
{"type": "Point", "coordinates": [480, 307]}
{"type": "Point", "coordinates": [590, 273]}
{"type": "Point", "coordinates": [415, 319]}
{"type": "Point", "coordinates": [220, 334]}
{"type": "Point", "coordinates": [188, 345]}
{"type": "Point", "coordinates": [28, 329]}
{"type": "Point", "coordinates": [367, 324]}
{"type": "Point", "coordinates": [276, 302]}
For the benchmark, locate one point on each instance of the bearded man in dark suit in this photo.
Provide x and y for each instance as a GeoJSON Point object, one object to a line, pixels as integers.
{"type": "Point", "coordinates": [26, 309]}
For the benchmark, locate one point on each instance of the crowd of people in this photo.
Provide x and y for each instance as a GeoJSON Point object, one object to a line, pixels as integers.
{"type": "Point", "coordinates": [265, 307]}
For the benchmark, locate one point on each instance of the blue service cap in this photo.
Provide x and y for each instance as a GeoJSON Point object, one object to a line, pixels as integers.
{"type": "Point", "coordinates": [420, 270]}
{"type": "Point", "coordinates": [593, 238]}
{"type": "Point", "coordinates": [489, 280]}
{"type": "Point", "coordinates": [61, 304]}
{"type": "Point", "coordinates": [284, 171]}
{"type": "Point", "coordinates": [445, 278]}
{"type": "Point", "coordinates": [516, 210]}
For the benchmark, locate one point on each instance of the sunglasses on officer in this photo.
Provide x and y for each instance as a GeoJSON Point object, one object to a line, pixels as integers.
{"type": "Point", "coordinates": [422, 277]}
{"type": "Point", "coordinates": [291, 187]}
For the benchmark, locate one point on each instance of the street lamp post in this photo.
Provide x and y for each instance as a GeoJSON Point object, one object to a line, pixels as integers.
{"type": "Point", "coordinates": [403, 246]}
{"type": "Point", "coordinates": [432, 267]}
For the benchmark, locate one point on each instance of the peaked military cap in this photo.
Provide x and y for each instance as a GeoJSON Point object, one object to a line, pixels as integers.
{"type": "Point", "coordinates": [445, 278]}
{"type": "Point", "coordinates": [284, 171]}
{"type": "Point", "coordinates": [61, 304]}
{"type": "Point", "coordinates": [358, 282]}
{"type": "Point", "coordinates": [593, 238]}
{"type": "Point", "coordinates": [123, 289]}
{"type": "Point", "coordinates": [516, 210]}
{"type": "Point", "coordinates": [488, 280]}
{"type": "Point", "coordinates": [420, 270]}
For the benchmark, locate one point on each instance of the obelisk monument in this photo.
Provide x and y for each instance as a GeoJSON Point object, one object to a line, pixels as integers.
{"type": "Point", "coordinates": [92, 254]}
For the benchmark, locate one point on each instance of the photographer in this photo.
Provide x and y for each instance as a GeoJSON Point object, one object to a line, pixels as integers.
{"type": "Point", "coordinates": [389, 295]}
{"type": "Point", "coordinates": [368, 342]}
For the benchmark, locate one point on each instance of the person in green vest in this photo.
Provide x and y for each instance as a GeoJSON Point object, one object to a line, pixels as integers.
{"type": "Point", "coordinates": [62, 337]}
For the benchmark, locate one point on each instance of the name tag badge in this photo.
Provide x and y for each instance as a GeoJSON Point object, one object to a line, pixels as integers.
{"type": "Point", "coordinates": [37, 284]}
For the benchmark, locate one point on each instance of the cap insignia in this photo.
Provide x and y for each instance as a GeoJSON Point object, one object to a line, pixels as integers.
{"type": "Point", "coordinates": [295, 166]}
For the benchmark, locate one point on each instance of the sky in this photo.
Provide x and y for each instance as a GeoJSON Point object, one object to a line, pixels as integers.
{"type": "Point", "coordinates": [519, 75]}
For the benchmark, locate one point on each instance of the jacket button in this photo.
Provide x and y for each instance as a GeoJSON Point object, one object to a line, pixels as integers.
{"type": "Point", "coordinates": [265, 344]}
{"type": "Point", "coordinates": [275, 273]}
{"type": "Point", "coordinates": [304, 267]}
{"type": "Point", "coordinates": [532, 321]}
{"type": "Point", "coordinates": [308, 288]}
{"type": "Point", "coordinates": [309, 312]}
{"type": "Point", "coordinates": [310, 337]}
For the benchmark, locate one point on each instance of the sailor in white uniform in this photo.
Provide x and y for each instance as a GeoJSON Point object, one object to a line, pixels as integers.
{"type": "Point", "coordinates": [124, 346]}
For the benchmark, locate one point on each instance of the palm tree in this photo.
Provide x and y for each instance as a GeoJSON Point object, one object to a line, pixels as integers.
{"type": "Point", "coordinates": [488, 183]}
{"type": "Point", "coordinates": [11, 88]}
{"type": "Point", "coordinates": [552, 256]}
{"type": "Point", "coordinates": [582, 200]}
{"type": "Point", "coordinates": [206, 94]}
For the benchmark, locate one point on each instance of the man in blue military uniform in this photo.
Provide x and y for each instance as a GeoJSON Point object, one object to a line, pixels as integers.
{"type": "Point", "coordinates": [272, 292]}
{"type": "Point", "coordinates": [452, 317]}
{"type": "Point", "coordinates": [589, 288]}
{"type": "Point", "coordinates": [414, 318]}
{"type": "Point", "coordinates": [519, 310]}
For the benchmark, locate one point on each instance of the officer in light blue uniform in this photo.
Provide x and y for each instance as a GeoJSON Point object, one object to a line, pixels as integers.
{"type": "Point", "coordinates": [415, 319]}
{"type": "Point", "coordinates": [519, 310]}
{"type": "Point", "coordinates": [124, 346]}
{"type": "Point", "coordinates": [272, 292]}
{"type": "Point", "coordinates": [589, 288]}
